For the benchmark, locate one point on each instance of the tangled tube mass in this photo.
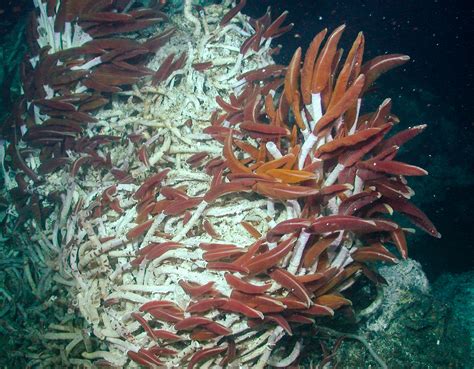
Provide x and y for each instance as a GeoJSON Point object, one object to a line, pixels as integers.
{"type": "Point", "coordinates": [200, 202]}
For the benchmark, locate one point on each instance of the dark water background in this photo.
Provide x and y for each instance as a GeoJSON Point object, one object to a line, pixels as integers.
{"type": "Point", "coordinates": [435, 88]}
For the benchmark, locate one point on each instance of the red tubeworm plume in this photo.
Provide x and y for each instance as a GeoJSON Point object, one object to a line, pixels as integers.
{"type": "Point", "coordinates": [292, 137]}
{"type": "Point", "coordinates": [73, 77]}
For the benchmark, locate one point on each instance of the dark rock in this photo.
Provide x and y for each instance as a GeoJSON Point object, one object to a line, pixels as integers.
{"type": "Point", "coordinates": [412, 324]}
